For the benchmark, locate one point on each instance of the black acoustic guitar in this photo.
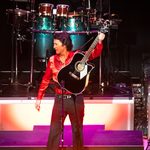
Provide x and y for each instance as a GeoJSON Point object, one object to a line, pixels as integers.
{"type": "Point", "coordinates": [75, 76]}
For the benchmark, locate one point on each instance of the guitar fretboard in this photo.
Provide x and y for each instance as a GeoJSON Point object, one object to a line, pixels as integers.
{"type": "Point", "coordinates": [89, 51]}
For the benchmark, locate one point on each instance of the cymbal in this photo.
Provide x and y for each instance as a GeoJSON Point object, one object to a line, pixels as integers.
{"type": "Point", "coordinates": [17, 11]}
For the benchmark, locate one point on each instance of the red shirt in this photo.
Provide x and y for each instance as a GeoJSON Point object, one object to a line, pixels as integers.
{"type": "Point", "coordinates": [55, 65]}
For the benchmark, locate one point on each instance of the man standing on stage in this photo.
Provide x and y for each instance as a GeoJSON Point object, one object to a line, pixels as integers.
{"type": "Point", "coordinates": [73, 104]}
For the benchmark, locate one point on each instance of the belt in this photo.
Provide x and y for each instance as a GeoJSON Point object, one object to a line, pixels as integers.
{"type": "Point", "coordinates": [59, 96]}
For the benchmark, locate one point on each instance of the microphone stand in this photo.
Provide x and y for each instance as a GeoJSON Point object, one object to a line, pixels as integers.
{"type": "Point", "coordinates": [62, 115]}
{"type": "Point", "coordinates": [100, 58]}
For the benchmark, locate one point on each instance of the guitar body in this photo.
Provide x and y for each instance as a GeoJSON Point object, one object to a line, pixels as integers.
{"type": "Point", "coordinates": [75, 76]}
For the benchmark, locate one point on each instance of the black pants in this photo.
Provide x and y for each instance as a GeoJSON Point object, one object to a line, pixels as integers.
{"type": "Point", "coordinates": [74, 107]}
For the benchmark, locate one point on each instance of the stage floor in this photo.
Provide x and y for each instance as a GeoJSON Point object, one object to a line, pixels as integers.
{"type": "Point", "coordinates": [12, 94]}
{"type": "Point", "coordinates": [18, 119]}
{"type": "Point", "coordinates": [94, 136]}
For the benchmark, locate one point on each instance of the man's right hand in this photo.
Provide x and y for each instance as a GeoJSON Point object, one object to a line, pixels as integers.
{"type": "Point", "coordinates": [37, 104]}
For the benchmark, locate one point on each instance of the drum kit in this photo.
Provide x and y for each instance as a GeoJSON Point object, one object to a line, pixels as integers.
{"type": "Point", "coordinates": [48, 21]}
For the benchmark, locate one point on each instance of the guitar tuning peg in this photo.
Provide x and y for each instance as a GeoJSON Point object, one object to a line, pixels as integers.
{"type": "Point", "coordinates": [107, 23]}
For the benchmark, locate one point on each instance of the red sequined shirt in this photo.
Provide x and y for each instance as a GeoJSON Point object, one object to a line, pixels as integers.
{"type": "Point", "coordinates": [55, 65]}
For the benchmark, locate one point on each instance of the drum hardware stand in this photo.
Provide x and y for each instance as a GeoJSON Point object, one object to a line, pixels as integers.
{"type": "Point", "coordinates": [54, 18]}
{"type": "Point", "coordinates": [88, 7]}
{"type": "Point", "coordinates": [88, 19]}
{"type": "Point", "coordinates": [12, 45]}
{"type": "Point", "coordinates": [32, 2]}
{"type": "Point", "coordinates": [17, 38]}
{"type": "Point", "coordinates": [54, 24]}
{"type": "Point", "coordinates": [30, 84]}
{"type": "Point", "coordinates": [12, 55]}
{"type": "Point", "coordinates": [32, 54]}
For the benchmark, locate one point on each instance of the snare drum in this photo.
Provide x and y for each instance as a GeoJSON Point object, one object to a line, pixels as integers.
{"type": "Point", "coordinates": [62, 10]}
{"type": "Point", "coordinates": [45, 9]}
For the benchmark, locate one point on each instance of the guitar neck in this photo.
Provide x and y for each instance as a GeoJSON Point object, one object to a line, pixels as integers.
{"type": "Point", "coordinates": [104, 28]}
{"type": "Point", "coordinates": [89, 51]}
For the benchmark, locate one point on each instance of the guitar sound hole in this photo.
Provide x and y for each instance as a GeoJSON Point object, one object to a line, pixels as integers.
{"type": "Point", "coordinates": [80, 66]}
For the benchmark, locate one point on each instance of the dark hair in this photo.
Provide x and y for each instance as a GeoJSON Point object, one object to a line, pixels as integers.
{"type": "Point", "coordinates": [64, 37]}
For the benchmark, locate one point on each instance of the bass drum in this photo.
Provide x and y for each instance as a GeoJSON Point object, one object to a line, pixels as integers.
{"type": "Point", "coordinates": [75, 23]}
{"type": "Point", "coordinates": [44, 41]}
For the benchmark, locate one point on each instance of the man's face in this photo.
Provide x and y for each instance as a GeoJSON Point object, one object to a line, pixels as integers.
{"type": "Point", "coordinates": [59, 47]}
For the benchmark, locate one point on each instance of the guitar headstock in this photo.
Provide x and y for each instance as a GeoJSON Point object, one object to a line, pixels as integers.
{"type": "Point", "coordinates": [104, 25]}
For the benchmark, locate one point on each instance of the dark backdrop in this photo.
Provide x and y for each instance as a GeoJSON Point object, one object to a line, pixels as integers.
{"type": "Point", "coordinates": [126, 49]}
